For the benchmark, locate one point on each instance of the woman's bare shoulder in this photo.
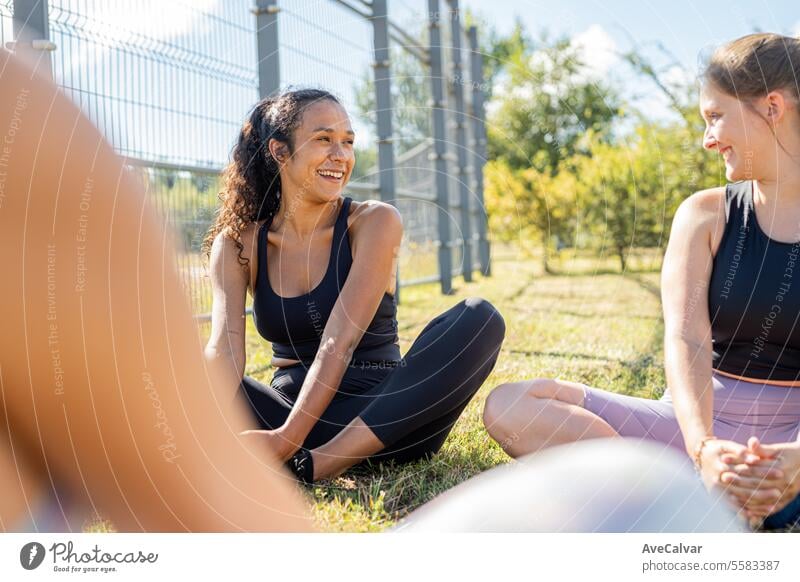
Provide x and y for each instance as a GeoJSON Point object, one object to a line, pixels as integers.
{"type": "Point", "coordinates": [225, 241]}
{"type": "Point", "coordinates": [373, 214]}
{"type": "Point", "coordinates": [703, 213]}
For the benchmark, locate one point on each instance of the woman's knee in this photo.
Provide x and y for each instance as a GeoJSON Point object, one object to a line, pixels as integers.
{"type": "Point", "coordinates": [498, 410]}
{"type": "Point", "coordinates": [481, 317]}
{"type": "Point", "coordinates": [493, 410]}
{"type": "Point", "coordinates": [513, 404]}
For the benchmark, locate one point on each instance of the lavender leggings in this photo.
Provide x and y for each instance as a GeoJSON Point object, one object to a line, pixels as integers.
{"type": "Point", "coordinates": [741, 410]}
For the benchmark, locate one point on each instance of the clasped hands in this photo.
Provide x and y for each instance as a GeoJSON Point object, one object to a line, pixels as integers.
{"type": "Point", "coordinates": [758, 479]}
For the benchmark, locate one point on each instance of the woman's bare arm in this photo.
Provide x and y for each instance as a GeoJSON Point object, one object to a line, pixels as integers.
{"type": "Point", "coordinates": [685, 280]}
{"type": "Point", "coordinates": [226, 344]}
{"type": "Point", "coordinates": [376, 234]}
{"type": "Point", "coordinates": [104, 386]}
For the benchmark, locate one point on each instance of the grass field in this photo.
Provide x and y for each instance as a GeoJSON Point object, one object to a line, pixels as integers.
{"type": "Point", "coordinates": [602, 329]}
{"type": "Point", "coordinates": [588, 324]}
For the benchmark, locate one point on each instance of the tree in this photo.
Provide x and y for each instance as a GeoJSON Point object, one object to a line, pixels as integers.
{"type": "Point", "coordinates": [526, 205]}
{"type": "Point", "coordinates": [551, 114]}
{"type": "Point", "coordinates": [550, 104]}
{"type": "Point", "coordinates": [630, 190]}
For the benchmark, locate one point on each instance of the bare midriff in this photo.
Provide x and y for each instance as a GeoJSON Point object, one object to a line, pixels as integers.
{"type": "Point", "coordinates": [283, 362]}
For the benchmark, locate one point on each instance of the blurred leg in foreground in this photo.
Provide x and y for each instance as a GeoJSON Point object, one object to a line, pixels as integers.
{"type": "Point", "coordinates": [106, 404]}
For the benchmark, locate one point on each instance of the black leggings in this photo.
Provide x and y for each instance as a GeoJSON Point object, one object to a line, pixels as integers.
{"type": "Point", "coordinates": [410, 406]}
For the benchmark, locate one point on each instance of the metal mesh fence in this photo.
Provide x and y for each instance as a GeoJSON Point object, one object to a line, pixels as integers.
{"type": "Point", "coordinates": [6, 24]}
{"type": "Point", "coordinates": [169, 82]}
{"type": "Point", "coordinates": [413, 131]}
{"type": "Point", "coordinates": [344, 67]}
{"type": "Point", "coordinates": [166, 82]}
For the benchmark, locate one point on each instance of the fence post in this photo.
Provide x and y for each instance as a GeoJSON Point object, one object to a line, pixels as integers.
{"type": "Point", "coordinates": [457, 87]}
{"type": "Point", "coordinates": [269, 77]}
{"type": "Point", "coordinates": [32, 34]}
{"type": "Point", "coordinates": [383, 104]}
{"type": "Point", "coordinates": [479, 133]}
{"type": "Point", "coordinates": [440, 149]}
{"type": "Point", "coordinates": [383, 100]}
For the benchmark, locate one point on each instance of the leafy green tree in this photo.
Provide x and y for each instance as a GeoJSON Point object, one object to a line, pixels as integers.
{"type": "Point", "coordinates": [529, 205]}
{"type": "Point", "coordinates": [552, 114]}
{"type": "Point", "coordinates": [550, 104]}
{"type": "Point", "coordinates": [630, 190]}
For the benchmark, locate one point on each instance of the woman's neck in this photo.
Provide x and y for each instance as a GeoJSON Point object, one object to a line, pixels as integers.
{"type": "Point", "coordinates": [783, 189]}
{"type": "Point", "coordinates": [777, 202]}
{"type": "Point", "coordinates": [302, 214]}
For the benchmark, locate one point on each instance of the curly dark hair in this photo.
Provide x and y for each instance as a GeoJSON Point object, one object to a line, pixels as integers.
{"type": "Point", "coordinates": [252, 190]}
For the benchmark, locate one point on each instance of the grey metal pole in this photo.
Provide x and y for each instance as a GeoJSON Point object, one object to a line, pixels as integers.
{"type": "Point", "coordinates": [383, 100]}
{"type": "Point", "coordinates": [269, 76]}
{"type": "Point", "coordinates": [479, 133]}
{"type": "Point", "coordinates": [439, 149]}
{"type": "Point", "coordinates": [32, 34]}
{"type": "Point", "coordinates": [457, 88]}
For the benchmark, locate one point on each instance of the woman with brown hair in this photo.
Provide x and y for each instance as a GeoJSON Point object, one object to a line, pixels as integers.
{"type": "Point", "coordinates": [320, 268]}
{"type": "Point", "coordinates": [733, 361]}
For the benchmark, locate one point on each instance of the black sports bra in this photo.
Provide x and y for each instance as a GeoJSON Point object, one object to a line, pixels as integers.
{"type": "Point", "coordinates": [754, 296]}
{"type": "Point", "coordinates": [294, 325]}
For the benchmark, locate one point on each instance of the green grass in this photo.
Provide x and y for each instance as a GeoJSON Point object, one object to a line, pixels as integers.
{"type": "Point", "coordinates": [602, 329]}
{"type": "Point", "coordinates": [588, 324]}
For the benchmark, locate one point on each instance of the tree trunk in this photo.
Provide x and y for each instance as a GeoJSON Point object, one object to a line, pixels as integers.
{"type": "Point", "coordinates": [621, 255]}
{"type": "Point", "coordinates": [547, 269]}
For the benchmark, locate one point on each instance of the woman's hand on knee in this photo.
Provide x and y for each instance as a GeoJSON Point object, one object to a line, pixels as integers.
{"type": "Point", "coordinates": [276, 441]}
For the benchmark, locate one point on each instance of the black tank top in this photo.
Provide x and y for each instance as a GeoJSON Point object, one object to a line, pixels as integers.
{"type": "Point", "coordinates": [294, 325]}
{"type": "Point", "coordinates": [754, 296]}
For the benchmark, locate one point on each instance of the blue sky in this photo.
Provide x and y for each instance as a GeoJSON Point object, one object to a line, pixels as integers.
{"type": "Point", "coordinates": [685, 27]}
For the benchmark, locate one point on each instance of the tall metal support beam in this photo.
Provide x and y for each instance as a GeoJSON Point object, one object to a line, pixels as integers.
{"type": "Point", "coordinates": [440, 148]}
{"type": "Point", "coordinates": [457, 89]}
{"type": "Point", "coordinates": [269, 71]}
{"type": "Point", "coordinates": [383, 101]}
{"type": "Point", "coordinates": [479, 148]}
{"type": "Point", "coordinates": [32, 34]}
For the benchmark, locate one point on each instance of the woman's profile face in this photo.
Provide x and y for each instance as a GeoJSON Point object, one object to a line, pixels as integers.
{"type": "Point", "coordinates": [323, 156]}
{"type": "Point", "coordinates": [738, 133]}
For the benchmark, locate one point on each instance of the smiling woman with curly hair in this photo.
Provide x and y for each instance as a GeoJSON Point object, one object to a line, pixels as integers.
{"type": "Point", "coordinates": [321, 270]}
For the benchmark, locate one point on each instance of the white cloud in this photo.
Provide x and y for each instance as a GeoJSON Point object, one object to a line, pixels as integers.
{"type": "Point", "coordinates": [594, 47]}
{"type": "Point", "coordinates": [796, 29]}
{"type": "Point", "coordinates": [678, 76]}
{"type": "Point", "coordinates": [597, 49]}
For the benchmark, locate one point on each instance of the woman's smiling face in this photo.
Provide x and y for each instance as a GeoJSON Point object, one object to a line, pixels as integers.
{"type": "Point", "coordinates": [738, 132]}
{"type": "Point", "coordinates": [323, 157]}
